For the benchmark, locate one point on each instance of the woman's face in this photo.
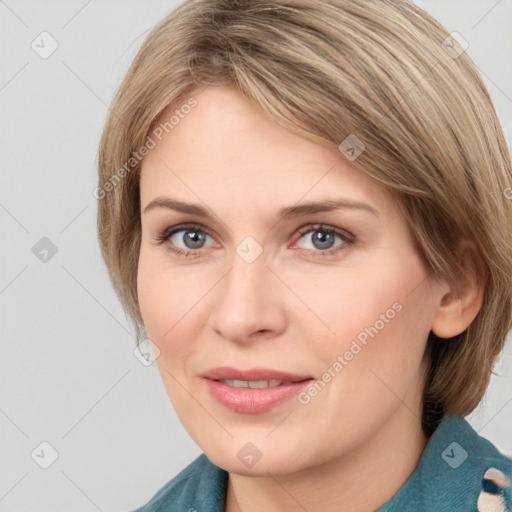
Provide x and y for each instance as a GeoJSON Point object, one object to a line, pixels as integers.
{"type": "Point", "coordinates": [347, 305]}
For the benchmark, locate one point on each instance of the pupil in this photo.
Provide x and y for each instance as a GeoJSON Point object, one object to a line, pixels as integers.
{"type": "Point", "coordinates": [194, 237]}
{"type": "Point", "coordinates": [324, 239]}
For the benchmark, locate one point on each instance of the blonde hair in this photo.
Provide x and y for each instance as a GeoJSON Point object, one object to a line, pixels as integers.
{"type": "Point", "coordinates": [326, 69]}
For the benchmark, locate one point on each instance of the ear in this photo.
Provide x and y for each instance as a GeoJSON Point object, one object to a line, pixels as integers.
{"type": "Point", "coordinates": [460, 299]}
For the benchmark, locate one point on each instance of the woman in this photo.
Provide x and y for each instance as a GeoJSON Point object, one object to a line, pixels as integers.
{"type": "Point", "coordinates": [303, 205]}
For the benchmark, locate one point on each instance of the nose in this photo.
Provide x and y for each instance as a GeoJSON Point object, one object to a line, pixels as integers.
{"type": "Point", "coordinates": [248, 302]}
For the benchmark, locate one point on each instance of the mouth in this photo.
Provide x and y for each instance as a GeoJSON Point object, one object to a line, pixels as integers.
{"type": "Point", "coordinates": [255, 384]}
{"type": "Point", "coordinates": [253, 391]}
{"type": "Point", "coordinates": [253, 375]}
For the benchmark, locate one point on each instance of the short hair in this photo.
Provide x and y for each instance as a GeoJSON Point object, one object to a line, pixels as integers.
{"type": "Point", "coordinates": [383, 71]}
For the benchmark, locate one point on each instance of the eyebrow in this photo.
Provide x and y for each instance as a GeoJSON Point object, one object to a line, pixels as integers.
{"type": "Point", "coordinates": [287, 212]}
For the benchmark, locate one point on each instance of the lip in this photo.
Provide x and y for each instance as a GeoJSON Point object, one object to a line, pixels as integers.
{"type": "Point", "coordinates": [253, 400]}
{"type": "Point", "coordinates": [228, 372]}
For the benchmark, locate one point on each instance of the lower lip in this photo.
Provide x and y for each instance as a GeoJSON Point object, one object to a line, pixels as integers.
{"type": "Point", "coordinates": [253, 400]}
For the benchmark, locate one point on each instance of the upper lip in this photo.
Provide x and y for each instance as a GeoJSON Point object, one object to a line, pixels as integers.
{"type": "Point", "coordinates": [227, 372]}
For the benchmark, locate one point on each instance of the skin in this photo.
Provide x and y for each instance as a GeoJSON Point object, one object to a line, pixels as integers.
{"type": "Point", "coordinates": [295, 308]}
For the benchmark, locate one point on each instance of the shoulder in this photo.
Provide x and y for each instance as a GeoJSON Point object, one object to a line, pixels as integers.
{"type": "Point", "coordinates": [198, 487]}
{"type": "Point", "coordinates": [488, 471]}
{"type": "Point", "coordinates": [459, 470]}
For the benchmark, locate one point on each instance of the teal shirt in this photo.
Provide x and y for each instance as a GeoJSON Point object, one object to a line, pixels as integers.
{"type": "Point", "coordinates": [459, 471]}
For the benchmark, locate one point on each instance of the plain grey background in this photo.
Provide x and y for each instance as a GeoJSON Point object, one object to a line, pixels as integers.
{"type": "Point", "coordinates": [69, 377]}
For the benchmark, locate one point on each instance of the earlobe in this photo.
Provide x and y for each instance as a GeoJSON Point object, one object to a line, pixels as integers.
{"type": "Point", "coordinates": [457, 308]}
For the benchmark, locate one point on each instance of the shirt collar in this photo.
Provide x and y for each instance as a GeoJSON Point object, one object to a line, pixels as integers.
{"type": "Point", "coordinates": [449, 476]}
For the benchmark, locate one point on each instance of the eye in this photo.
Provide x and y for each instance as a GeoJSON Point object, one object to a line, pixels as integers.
{"type": "Point", "coordinates": [323, 238]}
{"type": "Point", "coordinates": [193, 239]}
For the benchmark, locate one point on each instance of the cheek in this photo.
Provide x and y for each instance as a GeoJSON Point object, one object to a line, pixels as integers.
{"type": "Point", "coordinates": [153, 300]}
{"type": "Point", "coordinates": [163, 306]}
{"type": "Point", "coordinates": [162, 299]}
{"type": "Point", "coordinates": [172, 305]}
{"type": "Point", "coordinates": [371, 318]}
{"type": "Point", "coordinates": [345, 303]}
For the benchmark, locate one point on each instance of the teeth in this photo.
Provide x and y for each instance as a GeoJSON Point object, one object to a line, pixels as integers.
{"type": "Point", "coordinates": [251, 383]}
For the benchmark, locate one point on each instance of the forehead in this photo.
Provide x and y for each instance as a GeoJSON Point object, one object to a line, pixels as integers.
{"type": "Point", "coordinates": [227, 148]}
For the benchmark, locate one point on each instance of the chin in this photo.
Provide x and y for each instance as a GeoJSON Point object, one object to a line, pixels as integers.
{"type": "Point", "coordinates": [241, 463]}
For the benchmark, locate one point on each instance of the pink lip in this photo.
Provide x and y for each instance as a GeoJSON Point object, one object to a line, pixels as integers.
{"type": "Point", "coordinates": [253, 400]}
{"type": "Point", "coordinates": [227, 372]}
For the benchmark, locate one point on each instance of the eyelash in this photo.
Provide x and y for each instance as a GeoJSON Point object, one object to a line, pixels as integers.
{"type": "Point", "coordinates": [347, 238]}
